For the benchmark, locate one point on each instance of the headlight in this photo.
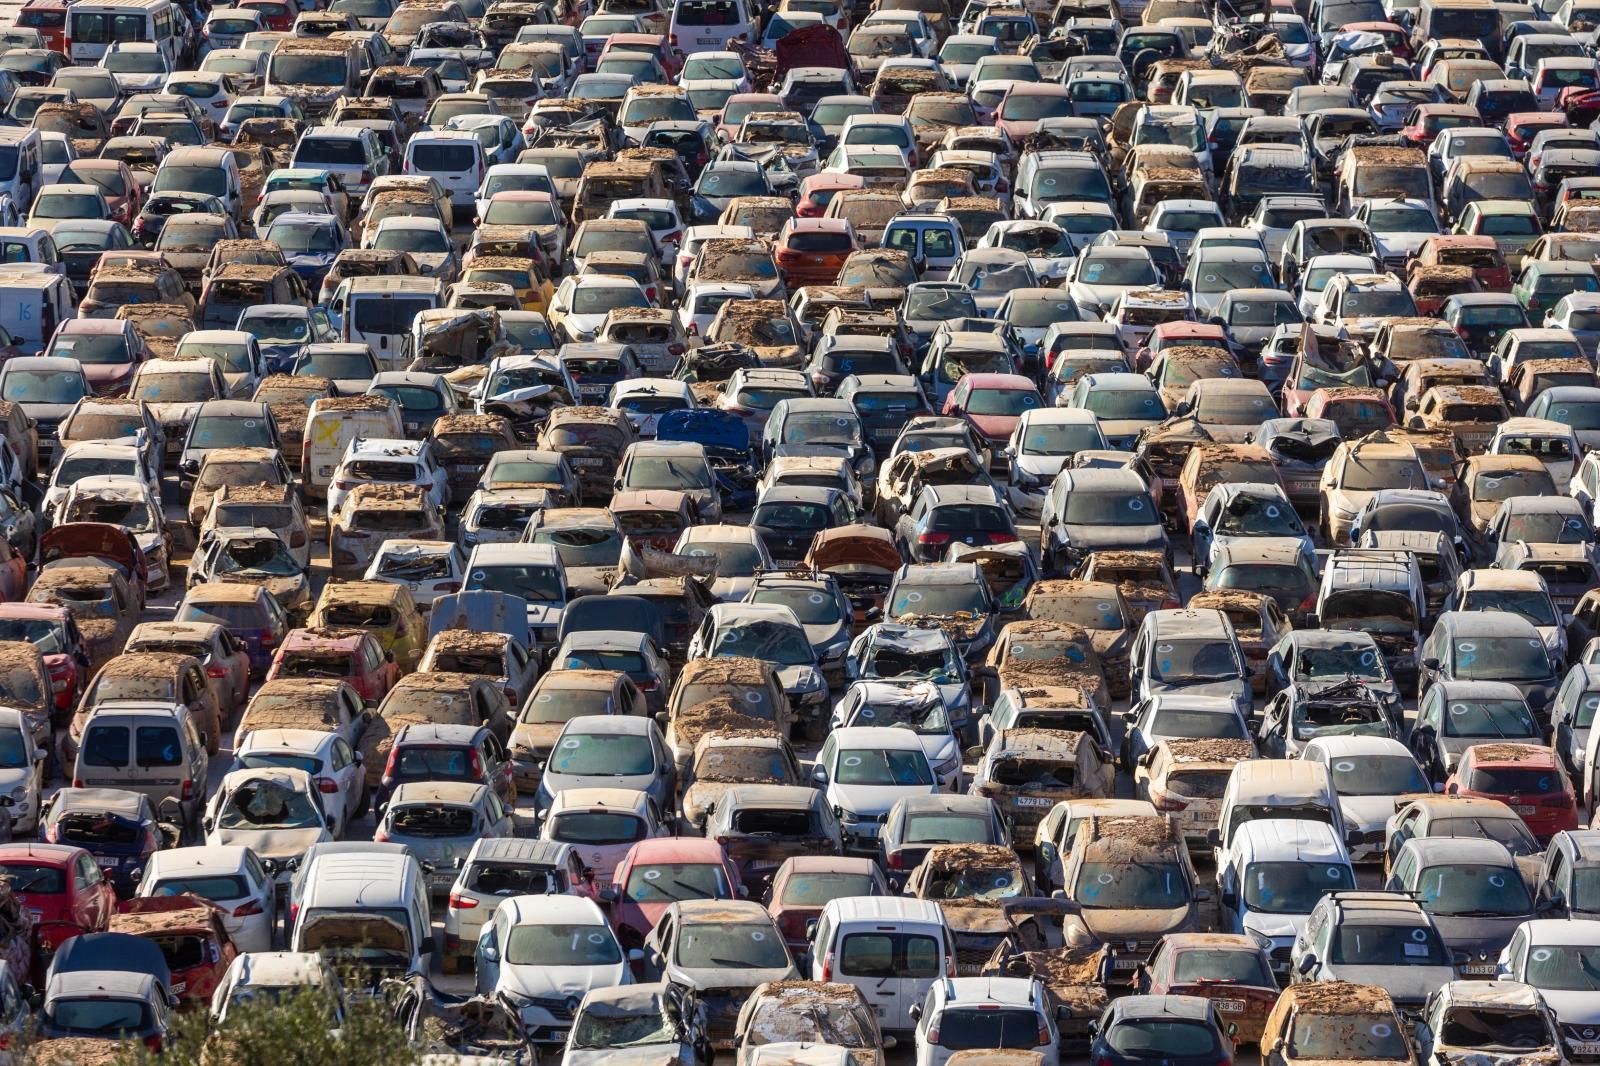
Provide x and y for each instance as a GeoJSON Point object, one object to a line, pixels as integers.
{"type": "Point", "coordinates": [848, 817]}
{"type": "Point", "coordinates": [19, 794]}
{"type": "Point", "coordinates": [948, 766]}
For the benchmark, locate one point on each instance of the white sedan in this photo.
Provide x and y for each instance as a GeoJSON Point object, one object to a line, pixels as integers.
{"type": "Point", "coordinates": [335, 768]}
{"type": "Point", "coordinates": [232, 877]}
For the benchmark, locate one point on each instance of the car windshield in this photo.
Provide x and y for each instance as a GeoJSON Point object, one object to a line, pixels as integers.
{"type": "Point", "coordinates": [1563, 968]}
{"type": "Point", "coordinates": [267, 805]}
{"type": "Point", "coordinates": [1196, 659]}
{"type": "Point", "coordinates": [612, 1027]}
{"type": "Point", "coordinates": [1533, 604]}
{"type": "Point", "coordinates": [1388, 945]}
{"type": "Point", "coordinates": [1501, 659]}
{"type": "Point", "coordinates": [1377, 775]}
{"type": "Point", "coordinates": [43, 386]}
{"type": "Point", "coordinates": [1471, 890]}
{"type": "Point", "coordinates": [1478, 717]}
{"type": "Point", "coordinates": [603, 755]}
{"type": "Point", "coordinates": [1355, 1036]}
{"type": "Point", "coordinates": [938, 599]}
{"type": "Point", "coordinates": [1131, 886]}
{"type": "Point", "coordinates": [1252, 515]}
{"type": "Point", "coordinates": [731, 946]}
{"type": "Point", "coordinates": [1293, 887]}
{"type": "Point", "coordinates": [559, 944]}
{"type": "Point", "coordinates": [1091, 508]}
{"type": "Point", "coordinates": [669, 882]}
{"type": "Point", "coordinates": [891, 767]}
{"type": "Point", "coordinates": [813, 607]}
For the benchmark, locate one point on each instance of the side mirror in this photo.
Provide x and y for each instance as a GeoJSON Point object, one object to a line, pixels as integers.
{"type": "Point", "coordinates": [1307, 964]}
{"type": "Point", "coordinates": [819, 776]}
{"type": "Point", "coordinates": [610, 894]}
{"type": "Point", "coordinates": [1214, 838]}
{"type": "Point", "coordinates": [1431, 663]}
{"type": "Point", "coordinates": [916, 1011]}
{"type": "Point", "coordinates": [811, 928]}
{"type": "Point", "coordinates": [428, 947]}
{"type": "Point", "coordinates": [635, 955]}
{"type": "Point", "coordinates": [491, 953]}
{"type": "Point", "coordinates": [1438, 786]}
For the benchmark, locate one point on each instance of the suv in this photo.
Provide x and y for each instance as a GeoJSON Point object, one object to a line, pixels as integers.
{"type": "Point", "coordinates": [1387, 939]}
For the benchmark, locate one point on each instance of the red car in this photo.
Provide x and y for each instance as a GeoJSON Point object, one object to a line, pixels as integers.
{"type": "Point", "coordinates": [190, 933]}
{"type": "Point", "coordinates": [654, 44]}
{"type": "Point", "coordinates": [65, 890]}
{"type": "Point", "coordinates": [1172, 334]}
{"type": "Point", "coordinates": [1230, 970]}
{"type": "Point", "coordinates": [53, 629]}
{"type": "Point", "coordinates": [1526, 778]}
{"type": "Point", "coordinates": [659, 871]}
{"type": "Point", "coordinates": [817, 191]}
{"type": "Point", "coordinates": [805, 883]}
{"type": "Point", "coordinates": [352, 655]}
{"type": "Point", "coordinates": [810, 251]}
{"type": "Point", "coordinates": [1356, 411]}
{"type": "Point", "coordinates": [1523, 126]}
{"type": "Point", "coordinates": [1426, 120]}
{"type": "Point", "coordinates": [992, 404]}
{"type": "Point", "coordinates": [1394, 35]}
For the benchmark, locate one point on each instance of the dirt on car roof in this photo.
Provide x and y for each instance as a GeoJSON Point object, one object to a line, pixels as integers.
{"type": "Point", "coordinates": [948, 856]}
{"type": "Point", "coordinates": [185, 919]}
{"type": "Point", "coordinates": [74, 1051]}
{"type": "Point", "coordinates": [1127, 838]}
{"type": "Point", "coordinates": [717, 715]}
{"type": "Point", "coordinates": [728, 670]}
{"type": "Point", "coordinates": [1210, 750]}
{"type": "Point", "coordinates": [1340, 997]}
{"type": "Point", "coordinates": [352, 404]}
{"type": "Point", "coordinates": [1388, 155]}
{"type": "Point", "coordinates": [471, 424]}
{"type": "Point", "coordinates": [1508, 752]}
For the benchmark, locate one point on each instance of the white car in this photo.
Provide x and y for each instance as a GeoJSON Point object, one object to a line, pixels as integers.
{"type": "Point", "coordinates": [129, 502]}
{"type": "Point", "coordinates": [138, 66]}
{"type": "Point", "coordinates": [661, 215]}
{"type": "Point", "coordinates": [22, 770]}
{"type": "Point", "coordinates": [1368, 773]}
{"type": "Point", "coordinates": [96, 458]}
{"type": "Point", "coordinates": [1557, 956]}
{"type": "Point", "coordinates": [429, 568]}
{"type": "Point", "coordinates": [645, 400]}
{"type": "Point", "coordinates": [1006, 1011]}
{"type": "Point", "coordinates": [693, 238]}
{"type": "Point", "coordinates": [276, 813]}
{"type": "Point", "coordinates": [212, 92]}
{"type": "Point", "coordinates": [1044, 438]}
{"type": "Point", "coordinates": [255, 973]}
{"type": "Point", "coordinates": [513, 177]}
{"type": "Point", "coordinates": [231, 876]}
{"type": "Point", "coordinates": [580, 305]}
{"type": "Point", "coordinates": [918, 708]}
{"type": "Point", "coordinates": [539, 950]}
{"type": "Point", "coordinates": [390, 461]}
{"type": "Point", "coordinates": [864, 770]}
{"type": "Point", "coordinates": [702, 301]}
{"type": "Point", "coordinates": [335, 768]}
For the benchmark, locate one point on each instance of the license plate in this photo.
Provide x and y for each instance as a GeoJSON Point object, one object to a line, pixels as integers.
{"type": "Point", "coordinates": [1231, 1006]}
{"type": "Point", "coordinates": [559, 1034]}
{"type": "Point", "coordinates": [881, 1012]}
{"type": "Point", "coordinates": [588, 462]}
{"type": "Point", "coordinates": [178, 988]}
{"type": "Point", "coordinates": [1032, 801]}
{"type": "Point", "coordinates": [36, 912]}
{"type": "Point", "coordinates": [1478, 968]}
{"type": "Point", "coordinates": [1524, 808]}
{"type": "Point", "coordinates": [1586, 1049]}
{"type": "Point", "coordinates": [1127, 962]}
{"type": "Point", "coordinates": [708, 40]}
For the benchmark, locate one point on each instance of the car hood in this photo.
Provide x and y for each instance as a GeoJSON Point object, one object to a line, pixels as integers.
{"type": "Point", "coordinates": [1406, 984]}
{"type": "Point", "coordinates": [540, 736]}
{"type": "Point", "coordinates": [1366, 812]}
{"type": "Point", "coordinates": [1573, 1008]}
{"type": "Point", "coordinates": [1481, 937]}
{"type": "Point", "coordinates": [1278, 926]}
{"type": "Point", "coordinates": [271, 843]}
{"type": "Point", "coordinates": [1119, 924]}
{"type": "Point", "coordinates": [651, 1055]}
{"type": "Point", "coordinates": [727, 980]}
{"type": "Point", "coordinates": [1393, 244]}
{"type": "Point", "coordinates": [549, 982]}
{"type": "Point", "coordinates": [874, 799]}
{"type": "Point", "coordinates": [555, 782]}
{"type": "Point", "coordinates": [800, 678]}
{"type": "Point", "coordinates": [1040, 467]}
{"type": "Point", "coordinates": [1126, 538]}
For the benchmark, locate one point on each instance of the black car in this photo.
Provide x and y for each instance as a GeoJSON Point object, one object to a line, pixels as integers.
{"type": "Point", "coordinates": [1177, 1030]}
{"type": "Point", "coordinates": [787, 517]}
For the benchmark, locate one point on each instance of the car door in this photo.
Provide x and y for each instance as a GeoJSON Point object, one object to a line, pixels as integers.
{"type": "Point", "coordinates": [486, 955]}
{"type": "Point", "coordinates": [349, 779]}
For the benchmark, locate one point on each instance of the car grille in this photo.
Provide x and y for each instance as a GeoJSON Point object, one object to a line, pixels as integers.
{"type": "Point", "coordinates": [970, 960]}
{"type": "Point", "coordinates": [556, 1008]}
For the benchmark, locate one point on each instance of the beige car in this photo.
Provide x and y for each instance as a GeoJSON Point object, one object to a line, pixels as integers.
{"type": "Point", "coordinates": [1484, 482]}
{"type": "Point", "coordinates": [432, 699]}
{"type": "Point", "coordinates": [794, 1012]}
{"type": "Point", "coordinates": [1186, 778]}
{"type": "Point", "coordinates": [234, 466]}
{"type": "Point", "coordinates": [262, 506]}
{"type": "Point", "coordinates": [1356, 471]}
{"type": "Point", "coordinates": [102, 602]}
{"type": "Point", "coordinates": [1026, 772]}
{"type": "Point", "coordinates": [158, 676]}
{"type": "Point", "coordinates": [725, 759]}
{"type": "Point", "coordinates": [323, 706]}
{"type": "Point", "coordinates": [752, 684]}
{"type": "Point", "coordinates": [226, 663]}
{"type": "Point", "coordinates": [1053, 839]}
{"type": "Point", "coordinates": [371, 513]}
{"type": "Point", "coordinates": [1312, 1023]}
{"type": "Point", "coordinates": [1098, 875]}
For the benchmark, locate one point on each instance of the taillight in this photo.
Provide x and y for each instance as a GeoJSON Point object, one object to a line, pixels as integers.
{"type": "Point", "coordinates": [897, 860]}
{"type": "Point", "coordinates": [827, 967]}
{"type": "Point", "coordinates": [1166, 801]}
{"type": "Point", "coordinates": [933, 1034]}
{"type": "Point", "coordinates": [1044, 1034]}
{"type": "Point", "coordinates": [245, 910]}
{"type": "Point", "coordinates": [393, 763]}
{"type": "Point", "coordinates": [458, 902]}
{"type": "Point", "coordinates": [216, 671]}
{"type": "Point", "coordinates": [647, 686]}
{"type": "Point", "coordinates": [673, 236]}
{"type": "Point", "coordinates": [475, 765]}
{"type": "Point", "coordinates": [380, 835]}
{"type": "Point", "coordinates": [327, 785]}
{"type": "Point", "coordinates": [674, 349]}
{"type": "Point", "coordinates": [1309, 603]}
{"type": "Point", "coordinates": [933, 539]}
{"type": "Point", "coordinates": [153, 1043]}
{"type": "Point", "coordinates": [650, 294]}
{"type": "Point", "coordinates": [1461, 331]}
{"type": "Point", "coordinates": [187, 790]}
{"type": "Point", "coordinates": [1560, 800]}
{"type": "Point", "coordinates": [693, 330]}
{"type": "Point", "coordinates": [1170, 604]}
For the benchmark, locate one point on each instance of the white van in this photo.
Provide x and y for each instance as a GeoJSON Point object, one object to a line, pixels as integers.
{"type": "Point", "coordinates": [379, 312]}
{"type": "Point", "coordinates": [711, 25]}
{"type": "Point", "coordinates": [376, 902]}
{"type": "Point", "coordinates": [30, 244]}
{"type": "Point", "coordinates": [1262, 789]}
{"type": "Point", "coordinates": [21, 161]}
{"type": "Point", "coordinates": [892, 949]}
{"type": "Point", "coordinates": [455, 159]}
{"type": "Point", "coordinates": [1278, 868]}
{"type": "Point", "coordinates": [93, 25]}
{"type": "Point", "coordinates": [209, 171]}
{"type": "Point", "coordinates": [33, 302]}
{"type": "Point", "coordinates": [331, 424]}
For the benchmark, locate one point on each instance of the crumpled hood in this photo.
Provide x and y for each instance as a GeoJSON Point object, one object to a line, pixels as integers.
{"type": "Point", "coordinates": [800, 679]}
{"type": "Point", "coordinates": [539, 736]}
{"type": "Point", "coordinates": [729, 980]}
{"type": "Point", "coordinates": [1277, 926]}
{"type": "Point", "coordinates": [1393, 244]}
{"type": "Point", "coordinates": [550, 982]}
{"type": "Point", "coordinates": [543, 615]}
{"type": "Point", "coordinates": [701, 795]}
{"type": "Point", "coordinates": [174, 414]}
{"type": "Point", "coordinates": [272, 843]}
{"type": "Point", "coordinates": [1367, 812]}
{"type": "Point", "coordinates": [1042, 468]}
{"type": "Point", "coordinates": [651, 1055]}
{"type": "Point", "coordinates": [1116, 538]}
{"type": "Point", "coordinates": [1451, 1057]}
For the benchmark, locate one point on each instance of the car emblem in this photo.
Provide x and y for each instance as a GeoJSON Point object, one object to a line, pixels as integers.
{"type": "Point", "coordinates": [1588, 1034]}
{"type": "Point", "coordinates": [572, 1004]}
{"type": "Point", "coordinates": [1133, 945]}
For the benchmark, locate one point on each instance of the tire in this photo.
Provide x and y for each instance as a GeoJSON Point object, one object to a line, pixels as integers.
{"type": "Point", "coordinates": [449, 964]}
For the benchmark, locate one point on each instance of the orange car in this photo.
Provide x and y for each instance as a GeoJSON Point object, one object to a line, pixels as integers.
{"type": "Point", "coordinates": [811, 251]}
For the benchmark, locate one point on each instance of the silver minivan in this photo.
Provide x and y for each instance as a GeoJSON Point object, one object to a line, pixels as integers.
{"type": "Point", "coordinates": [892, 949]}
